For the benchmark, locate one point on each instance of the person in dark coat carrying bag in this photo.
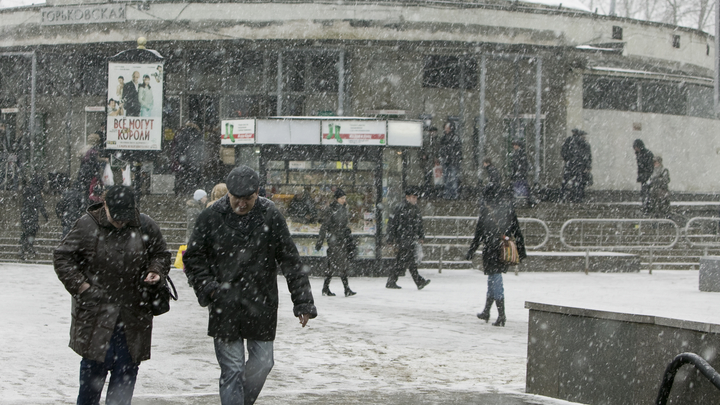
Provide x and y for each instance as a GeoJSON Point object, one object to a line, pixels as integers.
{"type": "Point", "coordinates": [231, 263]}
{"type": "Point", "coordinates": [110, 257]}
{"type": "Point", "coordinates": [497, 220]}
{"type": "Point", "coordinates": [405, 231]}
{"type": "Point", "coordinates": [335, 229]}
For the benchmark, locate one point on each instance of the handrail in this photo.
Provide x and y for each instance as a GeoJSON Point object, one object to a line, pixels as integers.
{"type": "Point", "coordinates": [640, 221]}
{"type": "Point", "coordinates": [521, 220]}
{"type": "Point", "coordinates": [468, 236]}
{"type": "Point", "coordinates": [619, 220]}
{"type": "Point", "coordinates": [683, 358]}
{"type": "Point", "coordinates": [686, 230]}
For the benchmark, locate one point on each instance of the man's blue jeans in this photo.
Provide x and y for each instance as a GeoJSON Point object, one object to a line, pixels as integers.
{"type": "Point", "coordinates": [241, 381]}
{"type": "Point", "coordinates": [123, 373]}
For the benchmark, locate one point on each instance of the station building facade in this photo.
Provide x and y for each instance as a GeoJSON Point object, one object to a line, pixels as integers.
{"type": "Point", "coordinates": [500, 70]}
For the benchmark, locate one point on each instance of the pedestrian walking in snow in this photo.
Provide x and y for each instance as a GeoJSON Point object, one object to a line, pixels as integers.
{"type": "Point", "coordinates": [91, 167]}
{"type": "Point", "coordinates": [341, 246]}
{"type": "Point", "coordinates": [111, 254]}
{"type": "Point", "coordinates": [519, 168]}
{"type": "Point", "coordinates": [71, 206]}
{"type": "Point", "coordinates": [405, 234]}
{"type": "Point", "coordinates": [577, 171]}
{"type": "Point", "coordinates": [493, 185]}
{"type": "Point", "coordinates": [497, 220]}
{"type": "Point", "coordinates": [188, 159]}
{"type": "Point", "coordinates": [231, 263]}
{"type": "Point", "coordinates": [194, 207]}
{"type": "Point", "coordinates": [659, 194]}
{"type": "Point", "coordinates": [32, 206]}
{"type": "Point", "coordinates": [645, 167]}
{"type": "Point", "coordinates": [218, 191]}
{"type": "Point", "coordinates": [451, 156]}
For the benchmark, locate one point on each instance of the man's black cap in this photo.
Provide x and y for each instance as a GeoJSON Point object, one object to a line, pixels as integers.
{"type": "Point", "coordinates": [339, 193]}
{"type": "Point", "coordinates": [242, 181]}
{"type": "Point", "coordinates": [412, 190]}
{"type": "Point", "coordinates": [577, 131]}
{"type": "Point", "coordinates": [120, 201]}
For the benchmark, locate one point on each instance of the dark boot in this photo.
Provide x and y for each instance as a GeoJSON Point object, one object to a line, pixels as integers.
{"type": "Point", "coordinates": [501, 313]}
{"type": "Point", "coordinates": [348, 291]}
{"type": "Point", "coordinates": [485, 314]}
{"type": "Point", "coordinates": [326, 287]}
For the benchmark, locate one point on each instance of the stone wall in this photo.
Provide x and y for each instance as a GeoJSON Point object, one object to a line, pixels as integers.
{"type": "Point", "coordinates": [607, 358]}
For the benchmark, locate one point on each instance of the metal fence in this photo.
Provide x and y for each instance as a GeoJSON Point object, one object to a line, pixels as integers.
{"type": "Point", "coordinates": [703, 232]}
{"type": "Point", "coordinates": [458, 232]}
{"type": "Point", "coordinates": [619, 234]}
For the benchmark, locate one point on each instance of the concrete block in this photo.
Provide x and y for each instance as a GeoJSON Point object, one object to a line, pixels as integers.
{"type": "Point", "coordinates": [710, 273]}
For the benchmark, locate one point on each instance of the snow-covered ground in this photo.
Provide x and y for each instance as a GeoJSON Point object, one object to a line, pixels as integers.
{"type": "Point", "coordinates": [390, 341]}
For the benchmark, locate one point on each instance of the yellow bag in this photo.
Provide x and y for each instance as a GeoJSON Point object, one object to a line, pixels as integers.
{"type": "Point", "coordinates": [178, 258]}
{"type": "Point", "coordinates": [509, 253]}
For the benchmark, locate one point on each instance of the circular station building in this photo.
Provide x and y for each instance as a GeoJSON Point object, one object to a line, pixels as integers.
{"type": "Point", "coordinates": [501, 70]}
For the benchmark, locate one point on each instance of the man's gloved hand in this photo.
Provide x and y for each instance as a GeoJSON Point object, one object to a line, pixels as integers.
{"type": "Point", "coordinates": [318, 246]}
{"type": "Point", "coordinates": [469, 256]}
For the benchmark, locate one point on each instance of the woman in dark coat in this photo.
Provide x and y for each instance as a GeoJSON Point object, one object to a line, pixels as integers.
{"type": "Point", "coordinates": [33, 205]}
{"type": "Point", "coordinates": [335, 229]}
{"type": "Point", "coordinates": [497, 219]}
{"type": "Point", "coordinates": [659, 195]}
{"type": "Point", "coordinates": [110, 258]}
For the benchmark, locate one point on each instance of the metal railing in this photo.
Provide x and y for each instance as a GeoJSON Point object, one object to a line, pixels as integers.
{"type": "Point", "coordinates": [615, 234]}
{"type": "Point", "coordinates": [464, 230]}
{"type": "Point", "coordinates": [684, 358]}
{"type": "Point", "coordinates": [709, 236]}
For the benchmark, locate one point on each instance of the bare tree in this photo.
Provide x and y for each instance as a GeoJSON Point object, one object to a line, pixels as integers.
{"type": "Point", "coordinates": [697, 14]}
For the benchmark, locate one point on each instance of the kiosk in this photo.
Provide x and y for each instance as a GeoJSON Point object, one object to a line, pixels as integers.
{"type": "Point", "coordinates": [309, 157]}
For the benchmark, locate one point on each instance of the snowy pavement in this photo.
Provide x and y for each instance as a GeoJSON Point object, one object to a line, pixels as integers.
{"type": "Point", "coordinates": [381, 346]}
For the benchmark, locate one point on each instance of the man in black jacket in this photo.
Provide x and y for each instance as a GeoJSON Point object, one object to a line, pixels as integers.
{"type": "Point", "coordinates": [405, 231]}
{"type": "Point", "coordinates": [577, 172]}
{"type": "Point", "coordinates": [231, 263]}
{"type": "Point", "coordinates": [645, 166]}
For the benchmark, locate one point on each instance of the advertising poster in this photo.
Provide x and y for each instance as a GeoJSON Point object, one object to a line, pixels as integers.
{"type": "Point", "coordinates": [134, 106]}
{"type": "Point", "coordinates": [354, 133]}
{"type": "Point", "coordinates": [234, 132]}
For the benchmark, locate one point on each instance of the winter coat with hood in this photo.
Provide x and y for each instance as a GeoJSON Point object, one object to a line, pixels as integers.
{"type": "Point", "coordinates": [114, 262]}
{"type": "Point", "coordinates": [231, 263]}
{"type": "Point", "coordinates": [497, 218]}
{"type": "Point", "coordinates": [644, 159]}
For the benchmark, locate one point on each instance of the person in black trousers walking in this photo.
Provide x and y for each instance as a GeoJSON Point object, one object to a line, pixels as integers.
{"type": "Point", "coordinates": [405, 231]}
{"type": "Point", "coordinates": [335, 228]}
{"type": "Point", "coordinates": [33, 205]}
{"type": "Point", "coordinates": [497, 219]}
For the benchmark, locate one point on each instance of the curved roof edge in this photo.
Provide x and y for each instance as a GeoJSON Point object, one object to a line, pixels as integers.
{"type": "Point", "coordinates": [554, 7]}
